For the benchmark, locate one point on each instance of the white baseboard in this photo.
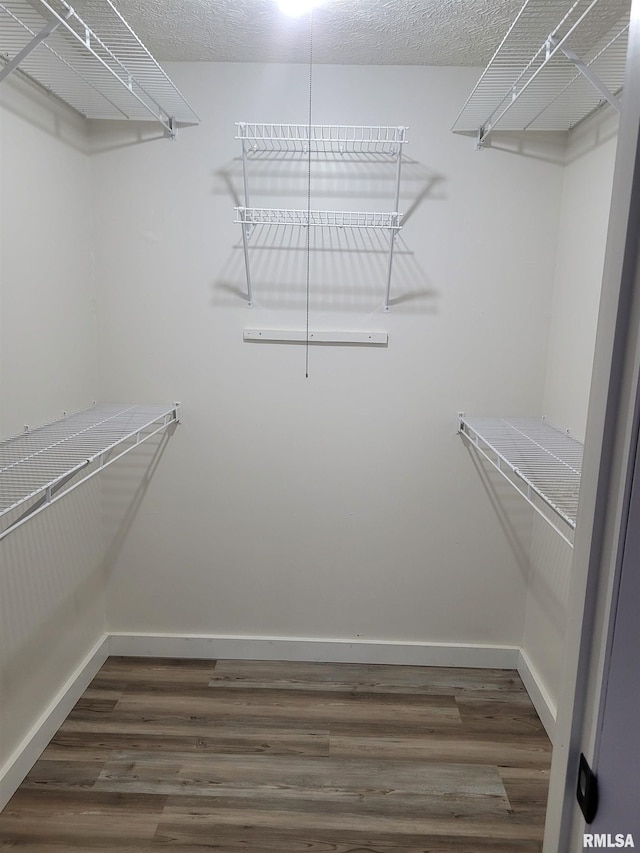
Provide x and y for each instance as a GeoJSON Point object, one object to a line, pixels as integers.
{"type": "Point", "coordinates": [313, 649]}
{"type": "Point", "coordinates": [29, 750]}
{"type": "Point", "coordinates": [538, 694]}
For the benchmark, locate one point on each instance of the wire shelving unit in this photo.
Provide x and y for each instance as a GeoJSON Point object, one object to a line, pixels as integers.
{"type": "Point", "coordinates": [42, 465]}
{"type": "Point", "coordinates": [543, 463]}
{"type": "Point", "coordinates": [95, 63]}
{"type": "Point", "coordinates": [558, 62]}
{"type": "Point", "coordinates": [322, 138]}
{"type": "Point", "coordinates": [317, 218]}
{"type": "Point", "coordinates": [299, 140]}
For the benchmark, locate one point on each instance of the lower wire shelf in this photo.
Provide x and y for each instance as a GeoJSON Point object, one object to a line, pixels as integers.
{"type": "Point", "coordinates": [543, 463]}
{"type": "Point", "coordinates": [44, 464]}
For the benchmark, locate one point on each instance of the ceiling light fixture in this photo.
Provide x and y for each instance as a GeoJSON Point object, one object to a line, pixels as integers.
{"type": "Point", "coordinates": [297, 8]}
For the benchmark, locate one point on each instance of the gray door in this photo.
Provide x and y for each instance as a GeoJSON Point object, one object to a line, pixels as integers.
{"type": "Point", "coordinates": [618, 752]}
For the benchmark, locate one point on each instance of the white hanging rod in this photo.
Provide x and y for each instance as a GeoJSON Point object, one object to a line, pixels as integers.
{"type": "Point", "coordinates": [542, 463]}
{"type": "Point", "coordinates": [322, 138]}
{"type": "Point", "coordinates": [531, 81]}
{"type": "Point", "coordinates": [37, 467]}
{"type": "Point", "coordinates": [96, 64]}
{"type": "Point", "coordinates": [249, 216]}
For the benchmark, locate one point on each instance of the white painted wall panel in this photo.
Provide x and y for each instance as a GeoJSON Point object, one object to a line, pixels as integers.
{"type": "Point", "coordinates": [582, 234]}
{"type": "Point", "coordinates": [51, 582]}
{"type": "Point", "coordinates": [586, 194]}
{"type": "Point", "coordinates": [343, 505]}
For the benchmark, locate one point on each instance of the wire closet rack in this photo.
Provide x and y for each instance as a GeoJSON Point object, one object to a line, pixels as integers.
{"type": "Point", "coordinates": [322, 138]}
{"type": "Point", "coordinates": [558, 62]}
{"type": "Point", "coordinates": [317, 218]}
{"type": "Point", "coordinates": [543, 463]}
{"type": "Point", "coordinates": [95, 63]}
{"type": "Point", "coordinates": [265, 139]}
{"type": "Point", "coordinates": [42, 465]}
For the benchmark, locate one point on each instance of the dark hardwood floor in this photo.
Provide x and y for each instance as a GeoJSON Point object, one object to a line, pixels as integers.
{"type": "Point", "coordinates": [274, 757]}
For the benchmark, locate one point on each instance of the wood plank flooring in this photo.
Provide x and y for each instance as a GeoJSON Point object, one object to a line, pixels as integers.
{"type": "Point", "coordinates": [275, 757]}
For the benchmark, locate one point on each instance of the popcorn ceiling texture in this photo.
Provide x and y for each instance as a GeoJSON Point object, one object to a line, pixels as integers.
{"type": "Point", "coordinates": [350, 32]}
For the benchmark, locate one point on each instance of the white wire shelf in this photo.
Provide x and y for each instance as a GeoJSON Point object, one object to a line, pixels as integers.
{"type": "Point", "coordinates": [541, 462]}
{"type": "Point", "coordinates": [249, 216]}
{"type": "Point", "coordinates": [321, 138]}
{"type": "Point", "coordinates": [558, 62]}
{"type": "Point", "coordinates": [96, 64]}
{"type": "Point", "coordinates": [43, 464]}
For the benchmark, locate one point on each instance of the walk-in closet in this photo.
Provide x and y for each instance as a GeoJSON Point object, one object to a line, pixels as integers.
{"type": "Point", "coordinates": [318, 378]}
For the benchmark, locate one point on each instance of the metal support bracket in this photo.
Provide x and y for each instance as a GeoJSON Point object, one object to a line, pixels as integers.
{"type": "Point", "coordinates": [171, 128]}
{"type": "Point", "coordinates": [393, 232]}
{"type": "Point", "coordinates": [37, 40]}
{"type": "Point", "coordinates": [246, 229]}
{"type": "Point", "coordinates": [585, 70]}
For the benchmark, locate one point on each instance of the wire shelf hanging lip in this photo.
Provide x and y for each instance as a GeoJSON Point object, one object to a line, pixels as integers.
{"type": "Point", "coordinates": [317, 218]}
{"type": "Point", "coordinates": [322, 138]}
{"type": "Point", "coordinates": [39, 463]}
{"type": "Point", "coordinates": [96, 63]}
{"type": "Point", "coordinates": [556, 64]}
{"type": "Point", "coordinates": [543, 463]}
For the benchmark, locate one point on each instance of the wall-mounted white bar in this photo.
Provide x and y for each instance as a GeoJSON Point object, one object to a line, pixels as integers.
{"type": "Point", "coordinates": [542, 463]}
{"type": "Point", "coordinates": [316, 337]}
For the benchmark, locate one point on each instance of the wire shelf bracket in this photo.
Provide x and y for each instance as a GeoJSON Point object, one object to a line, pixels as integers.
{"type": "Point", "coordinates": [299, 139]}
{"type": "Point", "coordinates": [544, 464]}
{"type": "Point", "coordinates": [42, 465]}
{"type": "Point", "coordinates": [96, 64]}
{"type": "Point", "coordinates": [558, 62]}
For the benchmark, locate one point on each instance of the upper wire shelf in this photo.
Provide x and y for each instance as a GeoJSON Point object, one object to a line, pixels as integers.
{"type": "Point", "coordinates": [321, 138]}
{"type": "Point", "coordinates": [543, 463]}
{"type": "Point", "coordinates": [95, 63]}
{"type": "Point", "coordinates": [43, 464]}
{"type": "Point", "coordinates": [558, 62]}
{"type": "Point", "coordinates": [249, 216]}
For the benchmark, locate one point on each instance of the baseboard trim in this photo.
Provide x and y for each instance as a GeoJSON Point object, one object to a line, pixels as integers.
{"type": "Point", "coordinates": [538, 694]}
{"type": "Point", "coordinates": [29, 750]}
{"type": "Point", "coordinates": [313, 649]}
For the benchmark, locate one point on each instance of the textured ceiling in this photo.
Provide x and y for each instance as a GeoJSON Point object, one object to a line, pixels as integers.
{"type": "Point", "coordinates": [360, 32]}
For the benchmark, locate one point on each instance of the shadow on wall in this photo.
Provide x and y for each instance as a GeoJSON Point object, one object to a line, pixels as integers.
{"type": "Point", "coordinates": [514, 515]}
{"type": "Point", "coordinates": [542, 556]}
{"type": "Point", "coordinates": [348, 267]}
{"type": "Point", "coordinates": [546, 146]}
{"type": "Point", "coordinates": [123, 489]}
{"type": "Point", "coordinates": [26, 100]}
{"type": "Point", "coordinates": [53, 569]}
{"type": "Point", "coordinates": [50, 596]}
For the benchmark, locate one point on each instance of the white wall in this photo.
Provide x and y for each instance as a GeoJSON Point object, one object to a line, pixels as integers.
{"type": "Point", "coordinates": [51, 582]}
{"type": "Point", "coordinates": [586, 195]}
{"type": "Point", "coordinates": [582, 234]}
{"type": "Point", "coordinates": [343, 505]}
